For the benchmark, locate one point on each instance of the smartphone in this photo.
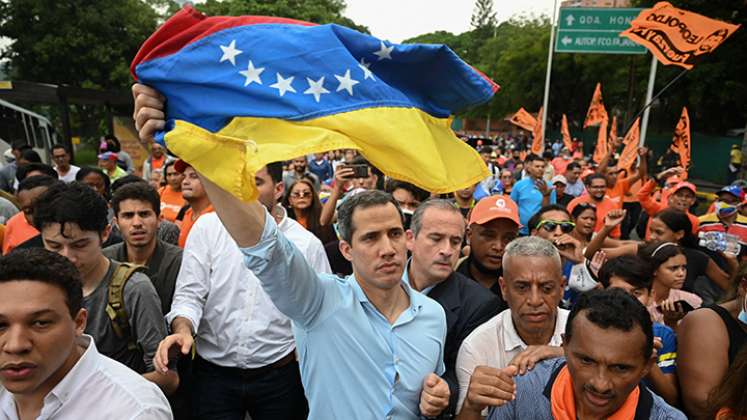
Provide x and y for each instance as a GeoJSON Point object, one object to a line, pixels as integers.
{"type": "Point", "coordinates": [359, 171]}
{"type": "Point", "coordinates": [681, 303]}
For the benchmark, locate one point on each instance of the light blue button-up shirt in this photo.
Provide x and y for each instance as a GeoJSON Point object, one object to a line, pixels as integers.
{"type": "Point", "coordinates": [354, 363]}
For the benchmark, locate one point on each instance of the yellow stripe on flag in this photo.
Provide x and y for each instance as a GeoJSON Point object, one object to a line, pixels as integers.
{"type": "Point", "coordinates": [405, 143]}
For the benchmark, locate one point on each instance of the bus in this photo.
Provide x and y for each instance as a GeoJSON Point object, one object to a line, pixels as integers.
{"type": "Point", "coordinates": [17, 123]}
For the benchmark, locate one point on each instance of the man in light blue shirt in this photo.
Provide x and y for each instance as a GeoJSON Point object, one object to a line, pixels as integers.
{"type": "Point", "coordinates": [369, 346]}
{"type": "Point", "coordinates": [532, 192]}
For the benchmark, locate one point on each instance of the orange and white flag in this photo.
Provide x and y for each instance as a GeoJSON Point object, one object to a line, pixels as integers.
{"type": "Point", "coordinates": [523, 119]}
{"type": "Point", "coordinates": [596, 112]}
{"type": "Point", "coordinates": [566, 133]}
{"type": "Point", "coordinates": [630, 150]}
{"type": "Point", "coordinates": [538, 141]}
{"type": "Point", "coordinates": [681, 139]}
{"type": "Point", "coordinates": [676, 36]}
{"type": "Point", "coordinates": [600, 150]}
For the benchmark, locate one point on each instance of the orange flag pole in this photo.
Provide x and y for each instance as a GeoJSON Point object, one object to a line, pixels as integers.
{"type": "Point", "coordinates": [566, 133]}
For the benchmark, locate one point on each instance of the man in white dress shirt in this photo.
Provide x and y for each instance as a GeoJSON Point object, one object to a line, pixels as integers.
{"type": "Point", "coordinates": [514, 340]}
{"type": "Point", "coordinates": [49, 369]}
{"type": "Point", "coordinates": [245, 349]}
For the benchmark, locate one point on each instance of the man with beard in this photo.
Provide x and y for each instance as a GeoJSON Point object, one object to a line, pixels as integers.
{"type": "Point", "coordinates": [493, 223]}
{"type": "Point", "coordinates": [596, 185]}
{"type": "Point", "coordinates": [194, 193]}
{"type": "Point", "coordinates": [300, 170]}
{"type": "Point", "coordinates": [532, 192]}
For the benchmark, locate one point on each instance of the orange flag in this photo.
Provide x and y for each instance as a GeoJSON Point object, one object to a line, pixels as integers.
{"type": "Point", "coordinates": [676, 36]}
{"type": "Point", "coordinates": [566, 134]}
{"type": "Point", "coordinates": [596, 112]}
{"type": "Point", "coordinates": [600, 151]}
{"type": "Point", "coordinates": [524, 119]}
{"type": "Point", "coordinates": [613, 131]}
{"type": "Point", "coordinates": [523, 155]}
{"type": "Point", "coordinates": [630, 151]}
{"type": "Point", "coordinates": [538, 142]}
{"type": "Point", "coordinates": [681, 139]}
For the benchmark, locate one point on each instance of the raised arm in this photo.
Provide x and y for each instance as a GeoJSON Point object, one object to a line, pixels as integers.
{"type": "Point", "coordinates": [342, 174]}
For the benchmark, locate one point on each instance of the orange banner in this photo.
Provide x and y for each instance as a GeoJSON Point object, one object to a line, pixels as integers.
{"type": "Point", "coordinates": [630, 151]}
{"type": "Point", "coordinates": [538, 142]}
{"type": "Point", "coordinates": [524, 119]}
{"type": "Point", "coordinates": [681, 139]}
{"type": "Point", "coordinates": [596, 112]}
{"type": "Point", "coordinates": [567, 142]}
{"type": "Point", "coordinates": [613, 132]}
{"type": "Point", "coordinates": [600, 151]}
{"type": "Point", "coordinates": [676, 36]}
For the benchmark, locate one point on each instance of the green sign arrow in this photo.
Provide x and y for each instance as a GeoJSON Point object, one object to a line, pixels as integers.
{"type": "Point", "coordinates": [596, 30]}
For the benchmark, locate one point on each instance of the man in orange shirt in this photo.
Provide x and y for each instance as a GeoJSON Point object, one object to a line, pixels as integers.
{"type": "Point", "coordinates": [617, 188]}
{"type": "Point", "coordinates": [596, 186]}
{"type": "Point", "coordinates": [20, 228]}
{"type": "Point", "coordinates": [194, 193]}
{"type": "Point", "coordinates": [681, 198]}
{"type": "Point", "coordinates": [172, 200]}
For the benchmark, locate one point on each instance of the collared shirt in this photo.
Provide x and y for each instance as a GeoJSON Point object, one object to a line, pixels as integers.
{"type": "Point", "coordinates": [406, 279]}
{"type": "Point", "coordinates": [494, 344]}
{"type": "Point", "coordinates": [237, 324]}
{"type": "Point", "coordinates": [354, 363]}
{"type": "Point", "coordinates": [529, 200]}
{"type": "Point", "coordinates": [533, 397]}
{"type": "Point", "coordinates": [575, 189]}
{"type": "Point", "coordinates": [97, 387]}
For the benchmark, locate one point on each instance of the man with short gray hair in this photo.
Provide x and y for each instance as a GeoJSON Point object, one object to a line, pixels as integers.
{"type": "Point", "coordinates": [517, 338]}
{"type": "Point", "coordinates": [435, 239]}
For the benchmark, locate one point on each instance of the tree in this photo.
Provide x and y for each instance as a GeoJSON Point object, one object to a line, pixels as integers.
{"type": "Point", "coordinates": [316, 11]}
{"type": "Point", "coordinates": [75, 42]}
{"type": "Point", "coordinates": [483, 17]}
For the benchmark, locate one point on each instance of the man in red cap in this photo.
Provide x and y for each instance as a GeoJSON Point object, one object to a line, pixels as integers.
{"type": "Point", "coordinates": [194, 193]}
{"type": "Point", "coordinates": [493, 223]}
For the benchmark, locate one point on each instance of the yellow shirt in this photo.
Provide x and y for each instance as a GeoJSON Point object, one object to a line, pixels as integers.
{"type": "Point", "coordinates": [736, 157]}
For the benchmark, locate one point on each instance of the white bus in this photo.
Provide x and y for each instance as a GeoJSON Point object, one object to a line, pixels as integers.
{"type": "Point", "coordinates": [17, 123]}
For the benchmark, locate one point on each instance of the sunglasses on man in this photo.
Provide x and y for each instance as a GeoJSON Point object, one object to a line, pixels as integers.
{"type": "Point", "coordinates": [550, 226]}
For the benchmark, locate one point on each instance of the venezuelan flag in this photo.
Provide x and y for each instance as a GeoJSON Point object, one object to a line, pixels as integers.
{"type": "Point", "coordinates": [246, 91]}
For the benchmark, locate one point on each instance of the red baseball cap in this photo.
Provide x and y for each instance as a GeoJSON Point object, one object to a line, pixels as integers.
{"type": "Point", "coordinates": [181, 165]}
{"type": "Point", "coordinates": [684, 184]}
{"type": "Point", "coordinates": [494, 207]}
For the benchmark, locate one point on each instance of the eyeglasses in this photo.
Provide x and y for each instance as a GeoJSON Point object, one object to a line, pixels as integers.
{"type": "Point", "coordinates": [301, 194]}
{"type": "Point", "coordinates": [550, 226]}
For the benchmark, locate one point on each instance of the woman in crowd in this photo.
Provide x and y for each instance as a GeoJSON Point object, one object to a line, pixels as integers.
{"type": "Point", "coordinates": [584, 215]}
{"type": "Point", "coordinates": [303, 205]}
{"type": "Point", "coordinates": [709, 340]}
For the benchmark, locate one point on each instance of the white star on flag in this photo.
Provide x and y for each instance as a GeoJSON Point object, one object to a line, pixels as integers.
{"type": "Point", "coordinates": [316, 88]}
{"type": "Point", "coordinates": [366, 69]}
{"type": "Point", "coordinates": [283, 85]}
{"type": "Point", "coordinates": [230, 52]}
{"type": "Point", "coordinates": [384, 52]}
{"type": "Point", "coordinates": [252, 74]}
{"type": "Point", "coordinates": [346, 83]}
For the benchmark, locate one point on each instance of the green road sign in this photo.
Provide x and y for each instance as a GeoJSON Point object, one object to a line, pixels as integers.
{"type": "Point", "coordinates": [596, 30]}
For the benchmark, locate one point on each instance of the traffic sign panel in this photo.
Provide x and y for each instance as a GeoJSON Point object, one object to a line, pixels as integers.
{"type": "Point", "coordinates": [596, 30]}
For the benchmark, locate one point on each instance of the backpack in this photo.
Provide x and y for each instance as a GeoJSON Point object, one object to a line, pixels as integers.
{"type": "Point", "coordinates": [116, 307]}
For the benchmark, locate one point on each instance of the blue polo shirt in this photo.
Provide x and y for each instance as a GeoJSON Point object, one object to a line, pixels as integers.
{"type": "Point", "coordinates": [354, 363]}
{"type": "Point", "coordinates": [529, 200]}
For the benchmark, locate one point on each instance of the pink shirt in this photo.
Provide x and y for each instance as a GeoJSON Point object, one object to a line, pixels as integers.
{"type": "Point", "coordinates": [675, 295]}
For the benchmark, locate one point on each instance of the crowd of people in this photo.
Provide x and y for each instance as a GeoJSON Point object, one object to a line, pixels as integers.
{"type": "Point", "coordinates": [555, 288]}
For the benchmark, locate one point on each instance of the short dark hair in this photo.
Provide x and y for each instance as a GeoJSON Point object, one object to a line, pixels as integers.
{"type": "Point", "coordinates": [633, 269]}
{"type": "Point", "coordinates": [361, 200]}
{"type": "Point", "coordinates": [23, 171]}
{"type": "Point", "coordinates": [613, 308]}
{"type": "Point", "coordinates": [38, 264]}
{"type": "Point", "coordinates": [437, 203]}
{"type": "Point", "coordinates": [140, 191]}
{"type": "Point", "coordinates": [36, 181]}
{"type": "Point", "coordinates": [71, 203]}
{"type": "Point", "coordinates": [61, 146]}
{"type": "Point", "coordinates": [275, 169]}
{"type": "Point", "coordinates": [126, 180]}
{"type": "Point", "coordinates": [87, 170]}
{"type": "Point", "coordinates": [537, 217]}
{"type": "Point", "coordinates": [573, 165]}
{"type": "Point", "coordinates": [30, 155]}
{"type": "Point", "coordinates": [582, 207]}
{"type": "Point", "coordinates": [167, 165]}
{"type": "Point", "coordinates": [595, 175]}
{"type": "Point", "coordinates": [532, 157]}
{"type": "Point", "coordinates": [395, 184]}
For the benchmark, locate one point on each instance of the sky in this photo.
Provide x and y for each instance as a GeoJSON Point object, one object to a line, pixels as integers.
{"type": "Point", "coordinates": [397, 20]}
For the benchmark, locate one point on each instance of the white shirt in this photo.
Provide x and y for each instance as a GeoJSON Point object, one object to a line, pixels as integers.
{"type": "Point", "coordinates": [494, 344]}
{"type": "Point", "coordinates": [69, 176]}
{"type": "Point", "coordinates": [97, 387]}
{"type": "Point", "coordinates": [237, 324]}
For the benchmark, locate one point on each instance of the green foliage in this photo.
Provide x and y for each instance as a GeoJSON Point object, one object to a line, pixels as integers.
{"type": "Point", "coordinates": [483, 17]}
{"type": "Point", "coordinates": [317, 11]}
{"type": "Point", "coordinates": [75, 42]}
